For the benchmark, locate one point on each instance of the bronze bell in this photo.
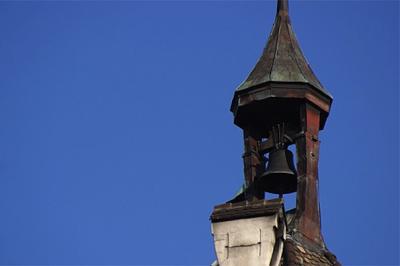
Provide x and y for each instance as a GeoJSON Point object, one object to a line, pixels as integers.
{"type": "Point", "coordinates": [280, 176]}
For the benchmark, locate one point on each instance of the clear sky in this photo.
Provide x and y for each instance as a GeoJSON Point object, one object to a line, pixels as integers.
{"type": "Point", "coordinates": [116, 139]}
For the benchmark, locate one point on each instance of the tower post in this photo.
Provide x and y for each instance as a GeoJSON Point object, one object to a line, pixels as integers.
{"type": "Point", "coordinates": [308, 221]}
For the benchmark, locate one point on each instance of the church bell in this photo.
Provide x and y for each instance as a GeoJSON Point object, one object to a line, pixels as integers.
{"type": "Point", "coordinates": [280, 176]}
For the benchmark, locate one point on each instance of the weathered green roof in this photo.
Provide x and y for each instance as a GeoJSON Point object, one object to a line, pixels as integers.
{"type": "Point", "coordinates": [282, 59]}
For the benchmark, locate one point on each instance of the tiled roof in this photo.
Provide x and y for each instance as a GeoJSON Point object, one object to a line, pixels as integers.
{"type": "Point", "coordinates": [301, 252]}
{"type": "Point", "coordinates": [296, 253]}
{"type": "Point", "coordinates": [245, 209]}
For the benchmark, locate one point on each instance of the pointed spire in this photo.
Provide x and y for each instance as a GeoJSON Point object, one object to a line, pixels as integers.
{"type": "Point", "coordinates": [283, 7]}
{"type": "Point", "coordinates": [282, 59]}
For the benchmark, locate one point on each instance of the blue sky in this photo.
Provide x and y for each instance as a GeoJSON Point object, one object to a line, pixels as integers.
{"type": "Point", "coordinates": [116, 139]}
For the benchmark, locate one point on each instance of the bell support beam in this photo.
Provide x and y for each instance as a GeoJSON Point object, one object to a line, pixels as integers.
{"type": "Point", "coordinates": [253, 165]}
{"type": "Point", "coordinates": [308, 221]}
{"type": "Point", "coordinates": [266, 146]}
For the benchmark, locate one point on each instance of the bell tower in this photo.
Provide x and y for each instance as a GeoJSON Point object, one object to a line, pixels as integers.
{"type": "Point", "coordinates": [280, 104]}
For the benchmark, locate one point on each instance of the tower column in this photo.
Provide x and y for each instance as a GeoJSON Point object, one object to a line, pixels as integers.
{"type": "Point", "coordinates": [253, 164]}
{"type": "Point", "coordinates": [308, 221]}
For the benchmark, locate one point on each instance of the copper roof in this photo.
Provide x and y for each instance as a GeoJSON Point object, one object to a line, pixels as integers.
{"type": "Point", "coordinates": [282, 59]}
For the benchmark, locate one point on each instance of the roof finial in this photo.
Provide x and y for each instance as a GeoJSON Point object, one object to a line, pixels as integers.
{"type": "Point", "coordinates": [283, 7]}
